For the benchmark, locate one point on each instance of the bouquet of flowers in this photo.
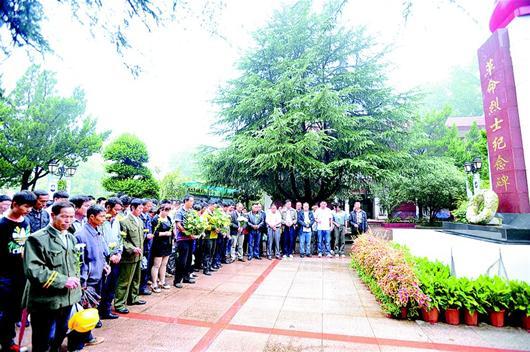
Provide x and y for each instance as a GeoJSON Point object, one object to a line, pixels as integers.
{"type": "Point", "coordinates": [194, 224]}
{"type": "Point", "coordinates": [242, 221]}
{"type": "Point", "coordinates": [112, 245]}
{"type": "Point", "coordinates": [218, 220]}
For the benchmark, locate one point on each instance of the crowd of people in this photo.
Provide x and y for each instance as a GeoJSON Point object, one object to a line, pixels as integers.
{"type": "Point", "coordinates": [63, 255]}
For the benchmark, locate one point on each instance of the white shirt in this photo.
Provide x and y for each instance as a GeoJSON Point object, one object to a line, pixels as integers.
{"type": "Point", "coordinates": [323, 218]}
{"type": "Point", "coordinates": [273, 219]}
{"type": "Point", "coordinates": [307, 221]}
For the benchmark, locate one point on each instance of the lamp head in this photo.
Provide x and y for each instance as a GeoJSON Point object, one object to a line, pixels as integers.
{"type": "Point", "coordinates": [70, 171]}
{"type": "Point", "coordinates": [53, 167]}
{"type": "Point", "coordinates": [477, 163]}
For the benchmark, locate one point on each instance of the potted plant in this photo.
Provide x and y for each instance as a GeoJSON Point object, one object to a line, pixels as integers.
{"type": "Point", "coordinates": [432, 276]}
{"type": "Point", "coordinates": [520, 301]}
{"type": "Point", "coordinates": [497, 298]}
{"type": "Point", "coordinates": [430, 313]}
{"type": "Point", "coordinates": [472, 301]}
{"type": "Point", "coordinates": [452, 300]}
{"type": "Point", "coordinates": [431, 310]}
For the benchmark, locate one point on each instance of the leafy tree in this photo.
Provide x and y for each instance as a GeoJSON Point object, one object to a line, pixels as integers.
{"type": "Point", "coordinates": [431, 137]}
{"type": "Point", "coordinates": [433, 183]}
{"type": "Point", "coordinates": [429, 132]}
{"type": "Point", "coordinates": [461, 92]}
{"type": "Point", "coordinates": [311, 113]}
{"type": "Point", "coordinates": [127, 171]}
{"type": "Point", "coordinates": [20, 20]}
{"type": "Point", "coordinates": [172, 187]}
{"type": "Point", "coordinates": [218, 166]}
{"type": "Point", "coordinates": [37, 126]}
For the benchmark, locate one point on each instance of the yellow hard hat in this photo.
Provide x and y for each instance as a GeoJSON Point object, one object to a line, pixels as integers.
{"type": "Point", "coordinates": [84, 321]}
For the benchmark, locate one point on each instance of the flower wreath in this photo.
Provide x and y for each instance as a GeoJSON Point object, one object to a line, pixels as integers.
{"type": "Point", "coordinates": [482, 207]}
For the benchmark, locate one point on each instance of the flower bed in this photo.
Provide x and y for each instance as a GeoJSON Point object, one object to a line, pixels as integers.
{"type": "Point", "coordinates": [388, 274]}
{"type": "Point", "coordinates": [400, 281]}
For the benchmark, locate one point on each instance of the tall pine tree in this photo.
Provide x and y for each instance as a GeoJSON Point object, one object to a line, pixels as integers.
{"type": "Point", "coordinates": [311, 113]}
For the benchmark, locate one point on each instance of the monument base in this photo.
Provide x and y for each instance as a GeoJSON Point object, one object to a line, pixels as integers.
{"type": "Point", "coordinates": [469, 257]}
{"type": "Point", "coordinates": [515, 229]}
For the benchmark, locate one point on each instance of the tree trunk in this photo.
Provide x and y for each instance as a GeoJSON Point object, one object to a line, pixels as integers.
{"type": "Point", "coordinates": [432, 215]}
{"type": "Point", "coordinates": [25, 182]}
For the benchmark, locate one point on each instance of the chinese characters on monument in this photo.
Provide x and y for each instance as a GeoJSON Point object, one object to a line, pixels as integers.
{"type": "Point", "coordinates": [508, 174]}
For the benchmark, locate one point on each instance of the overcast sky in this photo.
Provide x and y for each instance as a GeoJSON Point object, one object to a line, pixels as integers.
{"type": "Point", "coordinates": [169, 105]}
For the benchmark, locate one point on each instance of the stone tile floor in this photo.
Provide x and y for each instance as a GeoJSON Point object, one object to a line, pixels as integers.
{"type": "Point", "coordinates": [309, 304]}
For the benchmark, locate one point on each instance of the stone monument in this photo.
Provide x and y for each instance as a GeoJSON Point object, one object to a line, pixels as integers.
{"type": "Point", "coordinates": [504, 62]}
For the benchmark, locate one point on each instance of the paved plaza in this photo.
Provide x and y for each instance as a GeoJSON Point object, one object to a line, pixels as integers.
{"type": "Point", "coordinates": [288, 305]}
{"type": "Point", "coordinates": [281, 306]}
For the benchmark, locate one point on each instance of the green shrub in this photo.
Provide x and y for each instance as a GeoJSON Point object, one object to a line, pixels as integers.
{"type": "Point", "coordinates": [460, 212]}
{"type": "Point", "coordinates": [495, 292]}
{"type": "Point", "coordinates": [434, 280]}
{"type": "Point", "coordinates": [452, 294]}
{"type": "Point", "coordinates": [432, 277]}
{"type": "Point", "coordinates": [520, 297]}
{"type": "Point", "coordinates": [472, 300]}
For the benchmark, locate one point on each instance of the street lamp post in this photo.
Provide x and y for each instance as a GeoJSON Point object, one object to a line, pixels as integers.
{"type": "Point", "coordinates": [60, 170]}
{"type": "Point", "coordinates": [473, 167]}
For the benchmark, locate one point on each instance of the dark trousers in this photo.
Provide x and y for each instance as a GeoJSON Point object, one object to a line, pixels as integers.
{"type": "Point", "coordinates": [43, 323]}
{"type": "Point", "coordinates": [108, 291]}
{"type": "Point", "coordinates": [10, 297]}
{"type": "Point", "coordinates": [208, 249]}
{"type": "Point", "coordinates": [340, 239]}
{"type": "Point", "coordinates": [146, 273]}
{"type": "Point", "coordinates": [263, 244]}
{"type": "Point", "coordinates": [314, 241]}
{"type": "Point", "coordinates": [246, 241]}
{"type": "Point", "coordinates": [183, 261]}
{"type": "Point", "coordinates": [289, 240]}
{"type": "Point", "coordinates": [77, 340]}
{"type": "Point", "coordinates": [254, 241]}
{"type": "Point", "coordinates": [220, 249]}
{"type": "Point", "coordinates": [228, 248]}
{"type": "Point", "coordinates": [282, 242]}
{"type": "Point", "coordinates": [199, 253]}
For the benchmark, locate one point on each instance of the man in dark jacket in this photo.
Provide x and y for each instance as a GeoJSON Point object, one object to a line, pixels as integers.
{"type": "Point", "coordinates": [53, 287]}
{"type": "Point", "coordinates": [237, 225]}
{"type": "Point", "coordinates": [306, 219]}
{"type": "Point", "coordinates": [255, 223]}
{"type": "Point", "coordinates": [148, 241]}
{"type": "Point", "coordinates": [358, 220]}
{"type": "Point", "coordinates": [38, 217]}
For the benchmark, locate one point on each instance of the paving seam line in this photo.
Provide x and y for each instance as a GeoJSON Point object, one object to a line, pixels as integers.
{"type": "Point", "coordinates": [219, 326]}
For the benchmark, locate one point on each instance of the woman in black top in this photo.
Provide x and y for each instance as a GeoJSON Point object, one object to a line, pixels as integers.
{"type": "Point", "coordinates": [161, 247]}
